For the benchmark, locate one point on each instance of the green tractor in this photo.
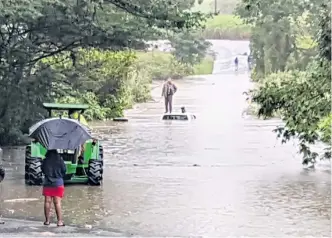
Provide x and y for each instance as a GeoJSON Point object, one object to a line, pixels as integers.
{"type": "Point", "coordinates": [81, 168]}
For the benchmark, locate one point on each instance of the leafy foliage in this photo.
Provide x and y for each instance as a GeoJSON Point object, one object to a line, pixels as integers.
{"type": "Point", "coordinates": [302, 99]}
{"type": "Point", "coordinates": [189, 48]}
{"type": "Point", "coordinates": [293, 81]}
{"type": "Point", "coordinates": [102, 78]}
{"type": "Point", "coordinates": [227, 27]}
{"type": "Point", "coordinates": [219, 6]}
{"type": "Point", "coordinates": [160, 65]}
{"type": "Point", "coordinates": [325, 129]}
{"type": "Point", "coordinates": [31, 31]}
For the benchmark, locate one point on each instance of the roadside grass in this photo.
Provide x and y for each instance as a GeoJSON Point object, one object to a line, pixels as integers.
{"type": "Point", "coordinates": [227, 27]}
{"type": "Point", "coordinates": [223, 6]}
{"type": "Point", "coordinates": [205, 67]}
{"type": "Point", "coordinates": [161, 65]}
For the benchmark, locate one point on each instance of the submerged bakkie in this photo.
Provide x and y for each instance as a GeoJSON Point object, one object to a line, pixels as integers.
{"type": "Point", "coordinates": [81, 168]}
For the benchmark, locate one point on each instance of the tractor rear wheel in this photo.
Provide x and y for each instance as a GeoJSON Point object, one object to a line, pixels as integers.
{"type": "Point", "coordinates": [33, 172]}
{"type": "Point", "coordinates": [95, 172]}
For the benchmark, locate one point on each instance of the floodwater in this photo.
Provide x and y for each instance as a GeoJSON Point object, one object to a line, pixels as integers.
{"type": "Point", "coordinates": [221, 175]}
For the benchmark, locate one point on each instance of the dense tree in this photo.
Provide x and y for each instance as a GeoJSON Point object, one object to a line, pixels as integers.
{"type": "Point", "coordinates": [274, 33]}
{"type": "Point", "coordinates": [33, 30]}
{"type": "Point", "coordinates": [189, 47]}
{"type": "Point", "coordinates": [300, 93]}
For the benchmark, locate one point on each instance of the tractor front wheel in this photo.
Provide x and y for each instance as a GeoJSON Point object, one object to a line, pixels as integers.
{"type": "Point", "coordinates": [33, 172]}
{"type": "Point", "coordinates": [95, 172]}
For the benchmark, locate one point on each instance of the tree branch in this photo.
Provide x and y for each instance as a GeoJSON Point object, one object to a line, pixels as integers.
{"type": "Point", "coordinates": [135, 10]}
{"type": "Point", "coordinates": [48, 54]}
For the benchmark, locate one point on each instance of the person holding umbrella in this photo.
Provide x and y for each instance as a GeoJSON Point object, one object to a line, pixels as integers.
{"type": "Point", "coordinates": [57, 134]}
{"type": "Point", "coordinates": [54, 169]}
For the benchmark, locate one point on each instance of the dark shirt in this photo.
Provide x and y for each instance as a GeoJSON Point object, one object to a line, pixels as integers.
{"type": "Point", "coordinates": [54, 169]}
{"type": "Point", "coordinates": [169, 89]}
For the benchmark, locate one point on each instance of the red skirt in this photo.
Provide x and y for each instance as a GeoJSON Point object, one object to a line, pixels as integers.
{"type": "Point", "coordinates": [54, 191]}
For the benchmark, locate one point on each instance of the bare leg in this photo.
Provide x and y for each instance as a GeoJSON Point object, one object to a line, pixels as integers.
{"type": "Point", "coordinates": [166, 104]}
{"type": "Point", "coordinates": [57, 205]}
{"type": "Point", "coordinates": [47, 209]}
{"type": "Point", "coordinates": [170, 102]}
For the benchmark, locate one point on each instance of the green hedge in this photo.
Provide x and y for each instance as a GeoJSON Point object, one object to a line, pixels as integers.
{"type": "Point", "coordinates": [161, 65]}
{"type": "Point", "coordinates": [228, 27]}
{"type": "Point", "coordinates": [108, 81]}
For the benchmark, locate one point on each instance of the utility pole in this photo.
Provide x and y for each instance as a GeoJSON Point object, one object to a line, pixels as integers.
{"type": "Point", "coordinates": [215, 7]}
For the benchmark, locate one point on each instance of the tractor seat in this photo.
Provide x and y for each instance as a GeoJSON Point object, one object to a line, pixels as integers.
{"type": "Point", "coordinates": [69, 156]}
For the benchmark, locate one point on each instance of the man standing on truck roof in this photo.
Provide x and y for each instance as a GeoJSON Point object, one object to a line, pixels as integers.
{"type": "Point", "coordinates": [169, 89]}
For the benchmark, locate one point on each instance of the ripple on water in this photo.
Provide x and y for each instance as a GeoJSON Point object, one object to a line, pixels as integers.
{"type": "Point", "coordinates": [221, 175]}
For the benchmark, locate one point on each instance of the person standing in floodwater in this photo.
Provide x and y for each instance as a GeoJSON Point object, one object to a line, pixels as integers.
{"type": "Point", "coordinates": [2, 176]}
{"type": "Point", "coordinates": [169, 89]}
{"type": "Point", "coordinates": [236, 62]}
{"type": "Point", "coordinates": [249, 60]}
{"type": "Point", "coordinates": [54, 169]}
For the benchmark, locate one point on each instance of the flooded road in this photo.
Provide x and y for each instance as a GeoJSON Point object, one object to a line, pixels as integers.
{"type": "Point", "coordinates": [221, 175]}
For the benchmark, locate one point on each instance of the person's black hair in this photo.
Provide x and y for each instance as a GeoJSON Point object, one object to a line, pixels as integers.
{"type": "Point", "coordinates": [52, 153]}
{"type": "Point", "coordinates": [49, 152]}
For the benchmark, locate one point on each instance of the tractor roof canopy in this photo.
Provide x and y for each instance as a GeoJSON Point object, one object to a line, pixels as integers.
{"type": "Point", "coordinates": [63, 106]}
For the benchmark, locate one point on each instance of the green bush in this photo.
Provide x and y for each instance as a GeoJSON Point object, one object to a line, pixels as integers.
{"type": "Point", "coordinates": [227, 27]}
{"type": "Point", "coordinates": [303, 101]}
{"type": "Point", "coordinates": [223, 6]}
{"type": "Point", "coordinates": [95, 112]}
{"type": "Point", "coordinates": [291, 48]}
{"type": "Point", "coordinates": [205, 67]}
{"type": "Point", "coordinates": [189, 47]}
{"type": "Point", "coordinates": [108, 81]}
{"type": "Point", "coordinates": [325, 126]}
{"type": "Point", "coordinates": [161, 65]}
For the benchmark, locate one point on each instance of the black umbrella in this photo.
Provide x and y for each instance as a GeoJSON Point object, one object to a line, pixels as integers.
{"type": "Point", "coordinates": [60, 133]}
